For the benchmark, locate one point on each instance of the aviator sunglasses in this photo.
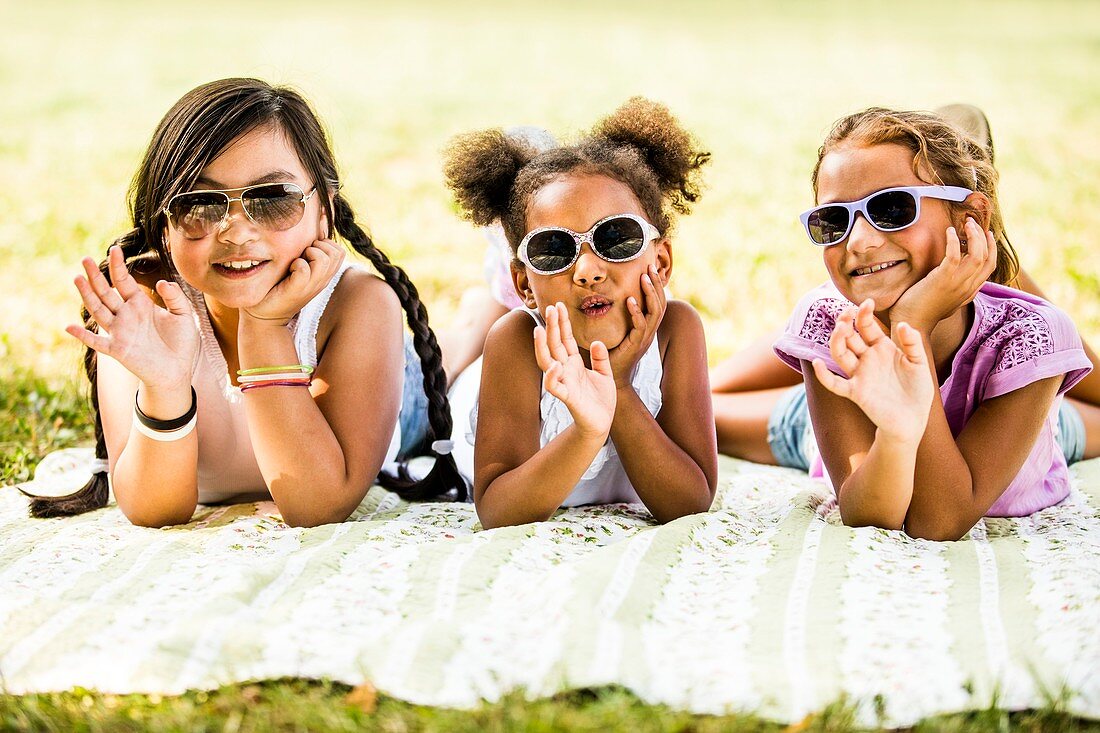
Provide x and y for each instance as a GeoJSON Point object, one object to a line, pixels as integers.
{"type": "Point", "coordinates": [888, 210]}
{"type": "Point", "coordinates": [273, 206]}
{"type": "Point", "coordinates": [617, 238]}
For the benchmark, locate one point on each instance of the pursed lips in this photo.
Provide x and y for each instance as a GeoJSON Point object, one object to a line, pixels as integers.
{"type": "Point", "coordinates": [595, 305]}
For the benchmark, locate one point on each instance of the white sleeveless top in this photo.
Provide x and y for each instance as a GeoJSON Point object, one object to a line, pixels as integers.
{"type": "Point", "coordinates": [605, 481]}
{"type": "Point", "coordinates": [227, 469]}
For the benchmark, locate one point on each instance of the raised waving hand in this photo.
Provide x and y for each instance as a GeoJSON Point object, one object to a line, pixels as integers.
{"type": "Point", "coordinates": [588, 393]}
{"type": "Point", "coordinates": [888, 378]}
{"type": "Point", "coordinates": [159, 345]}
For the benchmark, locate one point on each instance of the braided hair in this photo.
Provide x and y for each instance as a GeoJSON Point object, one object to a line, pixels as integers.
{"type": "Point", "coordinates": [194, 132]}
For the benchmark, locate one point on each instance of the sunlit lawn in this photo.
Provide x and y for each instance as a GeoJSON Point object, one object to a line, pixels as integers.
{"type": "Point", "coordinates": [759, 83]}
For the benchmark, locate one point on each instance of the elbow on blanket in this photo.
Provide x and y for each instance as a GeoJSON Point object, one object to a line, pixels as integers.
{"type": "Point", "coordinates": [853, 517]}
{"type": "Point", "coordinates": [946, 530]}
{"type": "Point", "coordinates": [308, 520]}
{"type": "Point", "coordinates": [156, 520]}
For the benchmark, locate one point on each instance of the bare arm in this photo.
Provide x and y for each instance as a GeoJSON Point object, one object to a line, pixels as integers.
{"type": "Point", "coordinates": [914, 473]}
{"type": "Point", "coordinates": [870, 425]}
{"type": "Point", "coordinates": [320, 449]}
{"type": "Point", "coordinates": [672, 460]}
{"type": "Point", "coordinates": [958, 480]}
{"type": "Point", "coordinates": [754, 368]}
{"type": "Point", "coordinates": [145, 354]}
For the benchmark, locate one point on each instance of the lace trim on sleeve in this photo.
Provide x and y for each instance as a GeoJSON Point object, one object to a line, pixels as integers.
{"type": "Point", "coordinates": [821, 319]}
{"type": "Point", "coordinates": [1018, 333]}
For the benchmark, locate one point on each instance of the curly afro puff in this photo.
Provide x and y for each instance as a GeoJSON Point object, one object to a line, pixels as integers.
{"type": "Point", "coordinates": [493, 176]}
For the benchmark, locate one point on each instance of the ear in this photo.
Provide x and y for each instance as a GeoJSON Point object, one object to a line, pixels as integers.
{"type": "Point", "coordinates": [978, 206]}
{"type": "Point", "coordinates": [522, 285]}
{"type": "Point", "coordinates": [324, 229]}
{"type": "Point", "coordinates": [166, 239]}
{"type": "Point", "coordinates": [663, 250]}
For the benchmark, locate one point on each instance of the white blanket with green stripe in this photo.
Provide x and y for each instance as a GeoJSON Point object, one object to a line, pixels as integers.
{"type": "Point", "coordinates": [766, 604]}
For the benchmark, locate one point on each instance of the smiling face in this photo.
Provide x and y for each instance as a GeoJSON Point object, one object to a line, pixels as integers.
{"type": "Point", "coordinates": [240, 261]}
{"type": "Point", "coordinates": [594, 290]}
{"type": "Point", "coordinates": [870, 263]}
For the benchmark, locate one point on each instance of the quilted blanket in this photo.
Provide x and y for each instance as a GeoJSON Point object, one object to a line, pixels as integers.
{"type": "Point", "coordinates": [765, 604]}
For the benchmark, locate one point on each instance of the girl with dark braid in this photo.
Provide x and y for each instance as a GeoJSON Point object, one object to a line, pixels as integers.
{"type": "Point", "coordinates": [232, 352]}
{"type": "Point", "coordinates": [596, 390]}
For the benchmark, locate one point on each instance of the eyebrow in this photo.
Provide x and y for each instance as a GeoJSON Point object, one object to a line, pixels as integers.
{"type": "Point", "coordinates": [275, 175]}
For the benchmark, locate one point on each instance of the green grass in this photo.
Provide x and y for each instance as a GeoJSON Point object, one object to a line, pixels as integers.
{"type": "Point", "coordinates": [758, 82]}
{"type": "Point", "coordinates": [298, 705]}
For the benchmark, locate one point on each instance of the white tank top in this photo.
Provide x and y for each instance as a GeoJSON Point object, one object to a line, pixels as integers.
{"type": "Point", "coordinates": [227, 469]}
{"type": "Point", "coordinates": [605, 481]}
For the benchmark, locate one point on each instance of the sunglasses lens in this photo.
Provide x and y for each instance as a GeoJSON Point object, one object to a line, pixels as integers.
{"type": "Point", "coordinates": [276, 207]}
{"type": "Point", "coordinates": [198, 212]}
{"type": "Point", "coordinates": [828, 225]}
{"type": "Point", "coordinates": [551, 250]}
{"type": "Point", "coordinates": [618, 239]}
{"type": "Point", "coordinates": [892, 210]}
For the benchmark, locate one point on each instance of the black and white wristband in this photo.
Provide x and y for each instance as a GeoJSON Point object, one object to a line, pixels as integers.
{"type": "Point", "coordinates": [167, 430]}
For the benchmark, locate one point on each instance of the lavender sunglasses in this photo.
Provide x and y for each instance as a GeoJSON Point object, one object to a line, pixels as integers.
{"type": "Point", "coordinates": [888, 210]}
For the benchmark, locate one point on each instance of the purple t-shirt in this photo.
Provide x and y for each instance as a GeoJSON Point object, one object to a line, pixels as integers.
{"type": "Point", "coordinates": [1016, 339]}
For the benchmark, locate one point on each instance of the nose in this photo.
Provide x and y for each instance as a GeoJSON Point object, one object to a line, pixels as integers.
{"type": "Point", "coordinates": [590, 268]}
{"type": "Point", "coordinates": [863, 236]}
{"type": "Point", "coordinates": [236, 226]}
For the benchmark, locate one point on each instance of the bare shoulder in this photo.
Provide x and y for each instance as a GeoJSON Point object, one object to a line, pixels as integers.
{"type": "Point", "coordinates": [360, 298]}
{"type": "Point", "coordinates": [512, 333]}
{"type": "Point", "coordinates": [681, 322]}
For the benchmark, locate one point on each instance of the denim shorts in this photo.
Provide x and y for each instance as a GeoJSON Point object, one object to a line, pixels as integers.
{"type": "Point", "coordinates": [790, 432]}
{"type": "Point", "coordinates": [1071, 432]}
{"type": "Point", "coordinates": [791, 436]}
{"type": "Point", "coordinates": [413, 417]}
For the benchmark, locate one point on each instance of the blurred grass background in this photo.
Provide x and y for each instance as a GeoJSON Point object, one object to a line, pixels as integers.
{"type": "Point", "coordinates": [759, 83]}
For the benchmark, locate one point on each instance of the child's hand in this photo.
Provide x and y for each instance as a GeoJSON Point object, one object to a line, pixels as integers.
{"type": "Point", "coordinates": [643, 328]}
{"type": "Point", "coordinates": [889, 381]}
{"type": "Point", "coordinates": [953, 283]}
{"type": "Point", "coordinates": [588, 393]}
{"type": "Point", "coordinates": [158, 345]}
{"type": "Point", "coordinates": [308, 275]}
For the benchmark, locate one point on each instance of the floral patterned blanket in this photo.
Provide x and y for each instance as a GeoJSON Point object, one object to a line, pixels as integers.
{"type": "Point", "coordinates": [767, 603]}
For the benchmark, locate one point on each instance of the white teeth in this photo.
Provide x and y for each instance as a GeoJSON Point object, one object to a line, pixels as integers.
{"type": "Point", "coordinates": [874, 268]}
{"type": "Point", "coordinates": [242, 265]}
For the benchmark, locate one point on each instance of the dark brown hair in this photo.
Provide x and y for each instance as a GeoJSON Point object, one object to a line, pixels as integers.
{"type": "Point", "coordinates": [494, 175]}
{"type": "Point", "coordinates": [941, 150]}
{"type": "Point", "coordinates": [195, 131]}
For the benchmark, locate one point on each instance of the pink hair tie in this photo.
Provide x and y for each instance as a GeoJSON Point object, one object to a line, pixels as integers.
{"type": "Point", "coordinates": [276, 383]}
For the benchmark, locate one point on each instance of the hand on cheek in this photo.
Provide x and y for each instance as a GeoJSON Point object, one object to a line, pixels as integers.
{"type": "Point", "coordinates": [951, 284]}
{"type": "Point", "coordinates": [644, 322]}
{"type": "Point", "coordinates": [308, 275]}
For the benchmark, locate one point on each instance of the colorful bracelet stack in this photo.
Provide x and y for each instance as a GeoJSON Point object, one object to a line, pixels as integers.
{"type": "Point", "coordinates": [165, 431]}
{"type": "Point", "coordinates": [291, 375]}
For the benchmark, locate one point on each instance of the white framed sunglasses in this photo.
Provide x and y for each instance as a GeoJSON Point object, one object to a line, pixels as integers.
{"type": "Point", "coordinates": [888, 210]}
{"type": "Point", "coordinates": [273, 206]}
{"type": "Point", "coordinates": [616, 238]}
